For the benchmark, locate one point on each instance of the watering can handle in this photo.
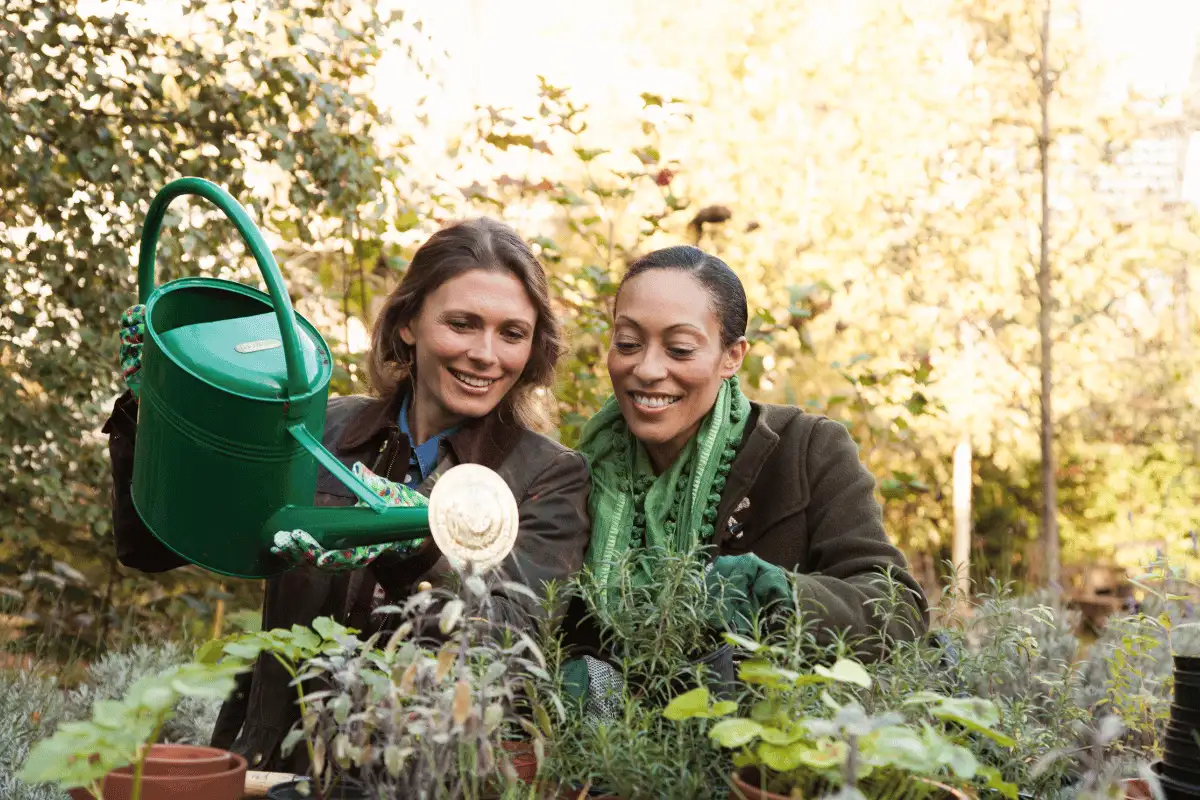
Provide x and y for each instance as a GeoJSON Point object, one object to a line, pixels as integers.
{"type": "Point", "coordinates": [258, 247]}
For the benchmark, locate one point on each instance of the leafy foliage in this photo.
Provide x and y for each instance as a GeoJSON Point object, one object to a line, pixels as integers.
{"type": "Point", "coordinates": [97, 113]}
{"type": "Point", "coordinates": [30, 705]}
{"type": "Point", "coordinates": [81, 753]}
{"type": "Point", "coordinates": [425, 715]}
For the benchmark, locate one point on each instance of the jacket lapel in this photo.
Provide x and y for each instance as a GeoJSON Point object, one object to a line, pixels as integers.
{"type": "Point", "coordinates": [379, 415]}
{"type": "Point", "coordinates": [486, 440]}
{"type": "Point", "coordinates": [758, 443]}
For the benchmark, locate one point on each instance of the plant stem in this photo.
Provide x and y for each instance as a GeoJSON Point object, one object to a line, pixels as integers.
{"type": "Point", "coordinates": [312, 755]}
{"type": "Point", "coordinates": [140, 763]}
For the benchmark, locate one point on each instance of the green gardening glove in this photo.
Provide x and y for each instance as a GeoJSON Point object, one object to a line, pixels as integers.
{"type": "Point", "coordinates": [745, 586]}
{"type": "Point", "coordinates": [298, 547]}
{"type": "Point", "coordinates": [133, 329]}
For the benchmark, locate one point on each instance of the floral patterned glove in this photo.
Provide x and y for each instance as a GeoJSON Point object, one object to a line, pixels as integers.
{"type": "Point", "coordinates": [133, 328]}
{"type": "Point", "coordinates": [298, 547]}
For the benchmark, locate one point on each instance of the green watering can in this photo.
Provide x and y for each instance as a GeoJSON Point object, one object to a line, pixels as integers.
{"type": "Point", "coordinates": [231, 415]}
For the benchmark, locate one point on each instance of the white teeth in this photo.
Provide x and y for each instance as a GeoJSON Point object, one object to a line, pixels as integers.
{"type": "Point", "coordinates": [478, 383]}
{"type": "Point", "coordinates": [653, 401]}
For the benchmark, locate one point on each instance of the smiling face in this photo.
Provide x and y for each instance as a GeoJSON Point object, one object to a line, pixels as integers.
{"type": "Point", "coordinates": [471, 341]}
{"type": "Point", "coordinates": [666, 360]}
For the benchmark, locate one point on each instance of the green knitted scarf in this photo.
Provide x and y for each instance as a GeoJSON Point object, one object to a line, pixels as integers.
{"type": "Point", "coordinates": [632, 507]}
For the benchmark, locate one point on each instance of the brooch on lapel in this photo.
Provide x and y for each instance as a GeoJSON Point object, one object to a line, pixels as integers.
{"type": "Point", "coordinates": [733, 526]}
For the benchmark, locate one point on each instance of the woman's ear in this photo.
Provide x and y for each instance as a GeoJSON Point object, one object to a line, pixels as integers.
{"type": "Point", "coordinates": [735, 354]}
{"type": "Point", "coordinates": [406, 335]}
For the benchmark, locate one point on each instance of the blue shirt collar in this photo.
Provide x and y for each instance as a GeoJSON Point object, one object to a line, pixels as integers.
{"type": "Point", "coordinates": [425, 454]}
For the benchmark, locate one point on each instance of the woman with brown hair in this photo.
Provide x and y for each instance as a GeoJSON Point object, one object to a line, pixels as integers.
{"type": "Point", "coordinates": [461, 356]}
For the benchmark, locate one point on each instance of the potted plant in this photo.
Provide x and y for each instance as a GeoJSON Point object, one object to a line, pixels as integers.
{"type": "Point", "coordinates": [1179, 769]}
{"type": "Point", "coordinates": [789, 747]}
{"type": "Point", "coordinates": [423, 713]}
{"type": "Point", "coordinates": [657, 638]}
{"type": "Point", "coordinates": [113, 756]}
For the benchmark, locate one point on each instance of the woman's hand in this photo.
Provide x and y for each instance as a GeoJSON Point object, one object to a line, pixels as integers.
{"type": "Point", "coordinates": [298, 547]}
{"type": "Point", "coordinates": [133, 328]}
{"type": "Point", "coordinates": [745, 586]}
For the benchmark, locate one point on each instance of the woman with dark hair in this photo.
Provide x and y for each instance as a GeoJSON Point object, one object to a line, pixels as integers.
{"type": "Point", "coordinates": [681, 459]}
{"type": "Point", "coordinates": [461, 356]}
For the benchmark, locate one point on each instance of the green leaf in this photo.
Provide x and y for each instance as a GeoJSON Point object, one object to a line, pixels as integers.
{"type": "Point", "coordinates": [328, 628]}
{"type": "Point", "coordinates": [585, 155]}
{"type": "Point", "coordinates": [210, 652]}
{"type": "Point", "coordinates": [846, 671]}
{"type": "Point", "coordinates": [291, 740]}
{"type": "Point", "coordinates": [688, 705]}
{"type": "Point", "coordinates": [975, 714]}
{"type": "Point", "coordinates": [735, 732]}
{"type": "Point", "coordinates": [394, 757]}
{"type": "Point", "coordinates": [748, 645]}
{"type": "Point", "coordinates": [794, 732]}
{"type": "Point", "coordinates": [766, 674]}
{"type": "Point", "coordinates": [826, 755]}
{"type": "Point", "coordinates": [451, 614]}
{"type": "Point", "coordinates": [246, 650]}
{"type": "Point", "coordinates": [722, 708]}
{"type": "Point", "coordinates": [996, 782]}
{"type": "Point", "coordinates": [783, 758]}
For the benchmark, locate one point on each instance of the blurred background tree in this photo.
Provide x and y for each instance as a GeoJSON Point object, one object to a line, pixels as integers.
{"type": "Point", "coordinates": [873, 170]}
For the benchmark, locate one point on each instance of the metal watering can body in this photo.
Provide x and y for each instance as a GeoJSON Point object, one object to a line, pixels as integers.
{"type": "Point", "coordinates": [231, 413]}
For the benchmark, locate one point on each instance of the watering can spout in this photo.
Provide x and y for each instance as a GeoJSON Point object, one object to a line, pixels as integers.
{"type": "Point", "coordinates": [374, 523]}
{"type": "Point", "coordinates": [232, 409]}
{"type": "Point", "coordinates": [338, 528]}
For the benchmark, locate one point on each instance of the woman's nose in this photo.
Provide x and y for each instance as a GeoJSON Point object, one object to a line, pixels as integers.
{"type": "Point", "coordinates": [650, 366]}
{"type": "Point", "coordinates": [483, 349]}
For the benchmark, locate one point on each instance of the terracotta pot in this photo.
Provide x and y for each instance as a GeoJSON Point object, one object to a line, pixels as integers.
{"type": "Point", "coordinates": [177, 777]}
{"type": "Point", "coordinates": [523, 757]}
{"type": "Point", "coordinates": [746, 781]}
{"type": "Point", "coordinates": [1137, 789]}
{"type": "Point", "coordinates": [185, 759]}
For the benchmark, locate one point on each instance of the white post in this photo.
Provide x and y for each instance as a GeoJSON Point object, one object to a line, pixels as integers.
{"type": "Point", "coordinates": [962, 517]}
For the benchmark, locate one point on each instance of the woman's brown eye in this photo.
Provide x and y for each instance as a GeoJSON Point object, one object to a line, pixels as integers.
{"type": "Point", "coordinates": [625, 347]}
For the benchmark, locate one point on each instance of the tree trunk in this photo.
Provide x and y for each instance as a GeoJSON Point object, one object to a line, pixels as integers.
{"type": "Point", "coordinates": [1049, 526]}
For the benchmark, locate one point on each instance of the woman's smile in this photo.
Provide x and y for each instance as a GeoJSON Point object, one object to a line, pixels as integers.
{"type": "Point", "coordinates": [667, 361]}
{"type": "Point", "coordinates": [652, 403]}
{"type": "Point", "coordinates": [474, 384]}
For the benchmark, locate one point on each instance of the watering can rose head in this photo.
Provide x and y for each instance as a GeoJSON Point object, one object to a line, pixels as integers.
{"type": "Point", "coordinates": [474, 523]}
{"type": "Point", "coordinates": [473, 517]}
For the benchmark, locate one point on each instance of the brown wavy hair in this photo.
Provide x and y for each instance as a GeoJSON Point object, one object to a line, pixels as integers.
{"type": "Point", "coordinates": [458, 248]}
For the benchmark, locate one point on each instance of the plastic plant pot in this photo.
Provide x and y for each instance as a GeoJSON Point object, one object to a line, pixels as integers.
{"type": "Point", "coordinates": [1187, 664]}
{"type": "Point", "coordinates": [302, 790]}
{"type": "Point", "coordinates": [1174, 789]}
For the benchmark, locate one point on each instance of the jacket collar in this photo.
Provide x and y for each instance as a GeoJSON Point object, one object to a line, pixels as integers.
{"type": "Point", "coordinates": [484, 440]}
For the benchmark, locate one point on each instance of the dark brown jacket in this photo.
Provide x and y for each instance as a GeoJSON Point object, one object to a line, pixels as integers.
{"type": "Point", "coordinates": [798, 496]}
{"type": "Point", "coordinates": [550, 483]}
{"type": "Point", "coordinates": [808, 504]}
